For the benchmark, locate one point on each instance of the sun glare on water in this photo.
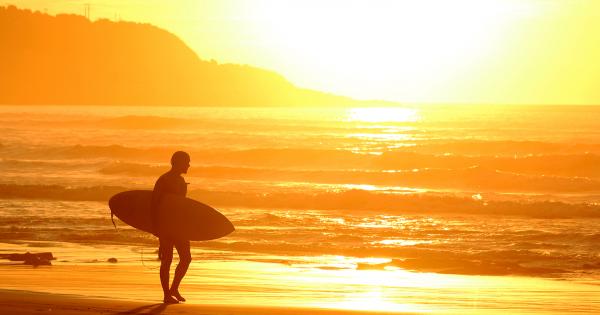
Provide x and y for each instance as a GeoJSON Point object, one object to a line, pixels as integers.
{"type": "Point", "coordinates": [377, 287]}
{"type": "Point", "coordinates": [383, 114]}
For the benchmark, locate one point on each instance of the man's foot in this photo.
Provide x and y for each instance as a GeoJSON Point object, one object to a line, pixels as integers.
{"type": "Point", "coordinates": [177, 296]}
{"type": "Point", "coordinates": [170, 300]}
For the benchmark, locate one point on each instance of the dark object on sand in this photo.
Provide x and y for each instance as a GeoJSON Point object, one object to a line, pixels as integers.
{"type": "Point", "coordinates": [179, 217]}
{"type": "Point", "coordinates": [112, 260]}
{"type": "Point", "coordinates": [39, 259]}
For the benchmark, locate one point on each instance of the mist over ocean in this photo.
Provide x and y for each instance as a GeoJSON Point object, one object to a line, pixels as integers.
{"type": "Point", "coordinates": [497, 191]}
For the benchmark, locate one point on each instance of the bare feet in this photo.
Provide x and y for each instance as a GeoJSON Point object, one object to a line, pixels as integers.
{"type": "Point", "coordinates": [170, 300]}
{"type": "Point", "coordinates": [177, 296]}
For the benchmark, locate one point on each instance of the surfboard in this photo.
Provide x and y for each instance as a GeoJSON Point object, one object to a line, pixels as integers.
{"type": "Point", "coordinates": [179, 218]}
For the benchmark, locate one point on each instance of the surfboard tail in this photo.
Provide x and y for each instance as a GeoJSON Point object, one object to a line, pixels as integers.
{"type": "Point", "coordinates": [112, 214]}
{"type": "Point", "coordinates": [112, 218]}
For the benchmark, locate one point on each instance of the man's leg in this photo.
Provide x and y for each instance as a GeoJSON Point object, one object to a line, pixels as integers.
{"type": "Point", "coordinates": [166, 257]}
{"type": "Point", "coordinates": [185, 258]}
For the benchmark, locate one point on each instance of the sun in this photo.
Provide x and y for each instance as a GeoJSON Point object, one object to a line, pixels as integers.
{"type": "Point", "coordinates": [362, 47]}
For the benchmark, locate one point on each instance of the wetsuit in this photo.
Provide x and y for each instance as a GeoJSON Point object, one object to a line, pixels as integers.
{"type": "Point", "coordinates": [169, 183]}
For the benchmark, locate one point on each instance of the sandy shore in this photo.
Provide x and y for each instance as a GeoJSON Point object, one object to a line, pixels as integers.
{"type": "Point", "coordinates": [219, 287]}
{"type": "Point", "coordinates": [17, 302]}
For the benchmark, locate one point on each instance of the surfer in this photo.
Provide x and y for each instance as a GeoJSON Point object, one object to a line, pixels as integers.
{"type": "Point", "coordinates": [173, 183]}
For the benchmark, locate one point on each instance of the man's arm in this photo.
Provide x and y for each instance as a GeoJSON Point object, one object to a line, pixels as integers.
{"type": "Point", "coordinates": [157, 193]}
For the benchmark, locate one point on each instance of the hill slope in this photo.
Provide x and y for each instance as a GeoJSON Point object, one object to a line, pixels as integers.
{"type": "Point", "coordinates": [67, 59]}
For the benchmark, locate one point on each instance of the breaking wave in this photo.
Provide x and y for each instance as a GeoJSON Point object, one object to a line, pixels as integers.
{"type": "Point", "coordinates": [472, 178]}
{"type": "Point", "coordinates": [350, 200]}
{"type": "Point", "coordinates": [583, 161]}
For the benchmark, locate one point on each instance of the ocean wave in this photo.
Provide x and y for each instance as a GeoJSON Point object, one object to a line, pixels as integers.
{"type": "Point", "coordinates": [122, 235]}
{"type": "Point", "coordinates": [54, 165]}
{"type": "Point", "coordinates": [350, 200]}
{"type": "Point", "coordinates": [251, 157]}
{"type": "Point", "coordinates": [145, 122]}
{"type": "Point", "coordinates": [91, 152]}
{"type": "Point", "coordinates": [417, 258]}
{"type": "Point", "coordinates": [505, 148]}
{"type": "Point", "coordinates": [422, 259]}
{"type": "Point", "coordinates": [471, 178]}
{"type": "Point", "coordinates": [583, 165]}
{"type": "Point", "coordinates": [430, 242]}
{"type": "Point", "coordinates": [57, 192]}
{"type": "Point", "coordinates": [150, 122]}
{"type": "Point", "coordinates": [578, 163]}
{"type": "Point", "coordinates": [74, 121]}
{"type": "Point", "coordinates": [264, 125]}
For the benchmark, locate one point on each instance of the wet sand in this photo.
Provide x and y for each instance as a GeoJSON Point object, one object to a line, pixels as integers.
{"type": "Point", "coordinates": [239, 288]}
{"type": "Point", "coordinates": [18, 302]}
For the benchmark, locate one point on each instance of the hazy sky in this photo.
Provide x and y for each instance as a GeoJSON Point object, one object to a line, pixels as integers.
{"type": "Point", "coordinates": [457, 51]}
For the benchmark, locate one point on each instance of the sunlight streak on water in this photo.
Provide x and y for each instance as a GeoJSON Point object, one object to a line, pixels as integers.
{"type": "Point", "coordinates": [403, 242]}
{"type": "Point", "coordinates": [383, 114]}
{"type": "Point", "coordinates": [382, 137]}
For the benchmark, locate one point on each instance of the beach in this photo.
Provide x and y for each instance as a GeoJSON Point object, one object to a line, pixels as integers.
{"type": "Point", "coordinates": [26, 302]}
{"type": "Point", "coordinates": [405, 210]}
{"type": "Point", "coordinates": [100, 288]}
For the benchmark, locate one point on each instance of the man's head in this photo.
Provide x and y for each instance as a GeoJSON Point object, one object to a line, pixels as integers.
{"type": "Point", "coordinates": [180, 162]}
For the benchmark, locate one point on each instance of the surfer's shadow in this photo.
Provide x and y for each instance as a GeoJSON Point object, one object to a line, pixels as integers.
{"type": "Point", "coordinates": [156, 308]}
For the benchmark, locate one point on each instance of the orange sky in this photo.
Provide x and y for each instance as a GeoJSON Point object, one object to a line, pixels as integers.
{"type": "Point", "coordinates": [426, 51]}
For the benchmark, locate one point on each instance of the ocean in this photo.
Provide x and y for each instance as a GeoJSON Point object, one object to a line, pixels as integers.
{"type": "Point", "coordinates": [402, 204]}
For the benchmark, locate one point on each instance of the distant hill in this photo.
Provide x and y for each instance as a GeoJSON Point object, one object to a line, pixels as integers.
{"type": "Point", "coordinates": [70, 60]}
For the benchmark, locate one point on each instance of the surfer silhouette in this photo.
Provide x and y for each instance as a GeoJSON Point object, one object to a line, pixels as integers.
{"type": "Point", "coordinates": [171, 182]}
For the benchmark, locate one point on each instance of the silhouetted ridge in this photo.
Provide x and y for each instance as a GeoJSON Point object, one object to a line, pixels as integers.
{"type": "Point", "coordinates": [67, 59]}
